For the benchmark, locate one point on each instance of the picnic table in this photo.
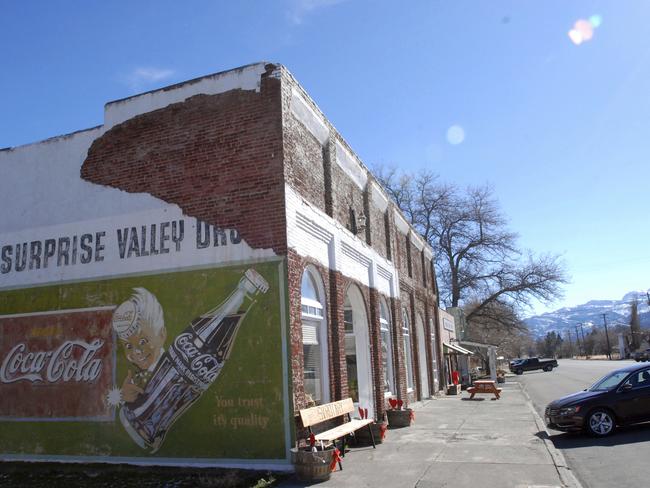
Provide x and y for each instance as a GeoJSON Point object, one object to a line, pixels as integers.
{"type": "Point", "coordinates": [484, 386]}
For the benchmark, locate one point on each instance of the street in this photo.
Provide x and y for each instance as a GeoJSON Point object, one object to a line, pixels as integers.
{"type": "Point", "coordinates": [619, 460]}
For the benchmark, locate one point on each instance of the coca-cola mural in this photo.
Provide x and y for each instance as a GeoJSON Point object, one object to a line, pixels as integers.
{"type": "Point", "coordinates": [51, 360]}
{"type": "Point", "coordinates": [184, 365]}
{"type": "Point", "coordinates": [167, 383]}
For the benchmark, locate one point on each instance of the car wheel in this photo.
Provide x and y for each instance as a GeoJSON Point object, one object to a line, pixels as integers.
{"type": "Point", "coordinates": [548, 368]}
{"type": "Point", "coordinates": [600, 422]}
{"type": "Point", "coordinates": [519, 371]}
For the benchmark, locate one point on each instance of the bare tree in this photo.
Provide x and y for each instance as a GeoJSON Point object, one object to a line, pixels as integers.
{"type": "Point", "coordinates": [477, 258]}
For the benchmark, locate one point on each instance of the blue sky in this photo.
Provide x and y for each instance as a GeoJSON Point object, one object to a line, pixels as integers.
{"type": "Point", "coordinates": [561, 131]}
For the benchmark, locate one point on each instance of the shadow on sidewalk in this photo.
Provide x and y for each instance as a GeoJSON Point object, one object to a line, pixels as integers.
{"type": "Point", "coordinates": [623, 435]}
{"type": "Point", "coordinates": [481, 399]}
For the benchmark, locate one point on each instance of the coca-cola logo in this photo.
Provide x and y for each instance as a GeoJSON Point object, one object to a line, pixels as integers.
{"type": "Point", "coordinates": [206, 367]}
{"type": "Point", "coordinates": [186, 346]}
{"type": "Point", "coordinates": [72, 361]}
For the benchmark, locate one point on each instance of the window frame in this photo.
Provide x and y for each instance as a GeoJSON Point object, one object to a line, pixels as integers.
{"type": "Point", "coordinates": [408, 351]}
{"type": "Point", "coordinates": [313, 312]}
{"type": "Point", "coordinates": [385, 325]}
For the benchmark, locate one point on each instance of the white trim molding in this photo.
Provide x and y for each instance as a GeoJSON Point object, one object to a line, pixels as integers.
{"type": "Point", "coordinates": [312, 233]}
{"type": "Point", "coordinates": [351, 166]}
{"type": "Point", "coordinates": [417, 241]}
{"type": "Point", "coordinates": [379, 198]}
{"type": "Point", "coordinates": [314, 122]}
{"type": "Point", "coordinates": [400, 222]}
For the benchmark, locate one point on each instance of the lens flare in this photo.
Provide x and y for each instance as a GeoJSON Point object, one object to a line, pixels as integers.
{"type": "Point", "coordinates": [575, 36]}
{"type": "Point", "coordinates": [595, 21]}
{"type": "Point", "coordinates": [583, 30]}
{"type": "Point", "coordinates": [455, 135]}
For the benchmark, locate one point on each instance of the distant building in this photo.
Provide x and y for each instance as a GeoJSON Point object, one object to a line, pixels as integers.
{"type": "Point", "coordinates": [230, 203]}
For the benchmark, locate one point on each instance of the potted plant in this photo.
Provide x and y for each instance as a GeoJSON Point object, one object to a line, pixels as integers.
{"type": "Point", "coordinates": [398, 415]}
{"type": "Point", "coordinates": [362, 436]}
{"type": "Point", "coordinates": [314, 462]}
{"type": "Point", "coordinates": [501, 376]}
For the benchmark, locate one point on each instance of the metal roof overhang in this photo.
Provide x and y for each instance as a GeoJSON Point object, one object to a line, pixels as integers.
{"type": "Point", "coordinates": [457, 349]}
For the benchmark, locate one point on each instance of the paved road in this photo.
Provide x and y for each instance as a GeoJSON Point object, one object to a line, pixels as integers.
{"type": "Point", "coordinates": [620, 460]}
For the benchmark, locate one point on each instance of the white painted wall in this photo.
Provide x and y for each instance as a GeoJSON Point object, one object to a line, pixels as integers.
{"type": "Point", "coordinates": [312, 233]}
{"type": "Point", "coordinates": [139, 242]}
{"type": "Point", "coordinates": [41, 186]}
{"type": "Point", "coordinates": [245, 78]}
{"type": "Point", "coordinates": [43, 198]}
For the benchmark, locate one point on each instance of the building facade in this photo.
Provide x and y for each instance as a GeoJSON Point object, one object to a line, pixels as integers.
{"type": "Point", "coordinates": [176, 283]}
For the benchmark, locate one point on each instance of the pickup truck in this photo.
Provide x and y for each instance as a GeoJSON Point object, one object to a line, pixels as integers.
{"type": "Point", "coordinates": [532, 364]}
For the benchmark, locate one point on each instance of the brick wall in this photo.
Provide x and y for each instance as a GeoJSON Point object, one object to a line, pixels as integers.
{"type": "Point", "coordinates": [377, 227]}
{"type": "Point", "coordinates": [313, 172]}
{"type": "Point", "coordinates": [336, 287]}
{"type": "Point", "coordinates": [416, 266]}
{"type": "Point", "coordinates": [219, 157]}
{"type": "Point", "coordinates": [304, 163]}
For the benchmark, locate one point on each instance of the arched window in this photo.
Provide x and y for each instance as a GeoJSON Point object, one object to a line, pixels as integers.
{"type": "Point", "coordinates": [406, 334]}
{"type": "Point", "coordinates": [433, 355]}
{"type": "Point", "coordinates": [357, 350]}
{"type": "Point", "coordinates": [314, 338]}
{"type": "Point", "coordinates": [385, 327]}
{"type": "Point", "coordinates": [422, 355]}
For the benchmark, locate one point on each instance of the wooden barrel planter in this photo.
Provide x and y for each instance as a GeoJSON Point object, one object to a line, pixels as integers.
{"type": "Point", "coordinates": [399, 418]}
{"type": "Point", "coordinates": [362, 436]}
{"type": "Point", "coordinates": [312, 466]}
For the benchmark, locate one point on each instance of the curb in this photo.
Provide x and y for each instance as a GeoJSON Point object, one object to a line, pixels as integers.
{"type": "Point", "coordinates": [566, 475]}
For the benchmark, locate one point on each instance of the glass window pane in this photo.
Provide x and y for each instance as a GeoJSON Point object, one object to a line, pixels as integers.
{"type": "Point", "coordinates": [310, 333]}
{"type": "Point", "coordinates": [351, 353]}
{"type": "Point", "coordinates": [314, 342]}
{"type": "Point", "coordinates": [407, 350]}
{"type": "Point", "coordinates": [386, 349]}
{"type": "Point", "coordinates": [351, 364]}
{"type": "Point", "coordinates": [313, 376]}
{"type": "Point", "coordinates": [385, 353]}
{"type": "Point", "coordinates": [347, 320]}
{"type": "Point", "coordinates": [308, 287]}
{"type": "Point", "coordinates": [383, 313]}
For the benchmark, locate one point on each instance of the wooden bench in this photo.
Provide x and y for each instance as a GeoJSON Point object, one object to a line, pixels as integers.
{"type": "Point", "coordinates": [322, 413]}
{"type": "Point", "coordinates": [484, 386]}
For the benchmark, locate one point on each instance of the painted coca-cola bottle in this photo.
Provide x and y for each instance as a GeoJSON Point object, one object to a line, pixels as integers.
{"type": "Point", "coordinates": [189, 366]}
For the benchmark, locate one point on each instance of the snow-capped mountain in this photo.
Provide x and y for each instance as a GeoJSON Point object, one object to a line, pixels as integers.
{"type": "Point", "coordinates": [590, 314]}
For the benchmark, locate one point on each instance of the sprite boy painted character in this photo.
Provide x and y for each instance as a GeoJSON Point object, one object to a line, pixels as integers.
{"type": "Point", "coordinates": [140, 327]}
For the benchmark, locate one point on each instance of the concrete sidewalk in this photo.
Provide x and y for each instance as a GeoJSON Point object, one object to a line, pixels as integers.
{"type": "Point", "coordinates": [457, 442]}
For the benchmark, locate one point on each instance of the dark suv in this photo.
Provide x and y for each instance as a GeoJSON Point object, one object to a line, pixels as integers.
{"type": "Point", "coordinates": [621, 397]}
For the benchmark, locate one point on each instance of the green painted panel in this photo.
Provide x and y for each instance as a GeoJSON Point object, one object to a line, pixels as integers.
{"type": "Point", "coordinates": [240, 415]}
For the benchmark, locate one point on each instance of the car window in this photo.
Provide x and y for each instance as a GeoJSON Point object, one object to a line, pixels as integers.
{"type": "Point", "coordinates": [640, 379]}
{"type": "Point", "coordinates": [610, 381]}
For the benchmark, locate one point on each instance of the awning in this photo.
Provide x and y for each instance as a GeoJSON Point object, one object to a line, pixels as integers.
{"type": "Point", "coordinates": [456, 349]}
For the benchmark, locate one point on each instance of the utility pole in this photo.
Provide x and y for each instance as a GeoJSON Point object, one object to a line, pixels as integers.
{"type": "Point", "coordinates": [578, 340]}
{"type": "Point", "coordinates": [609, 350]}
{"type": "Point", "coordinates": [570, 343]}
